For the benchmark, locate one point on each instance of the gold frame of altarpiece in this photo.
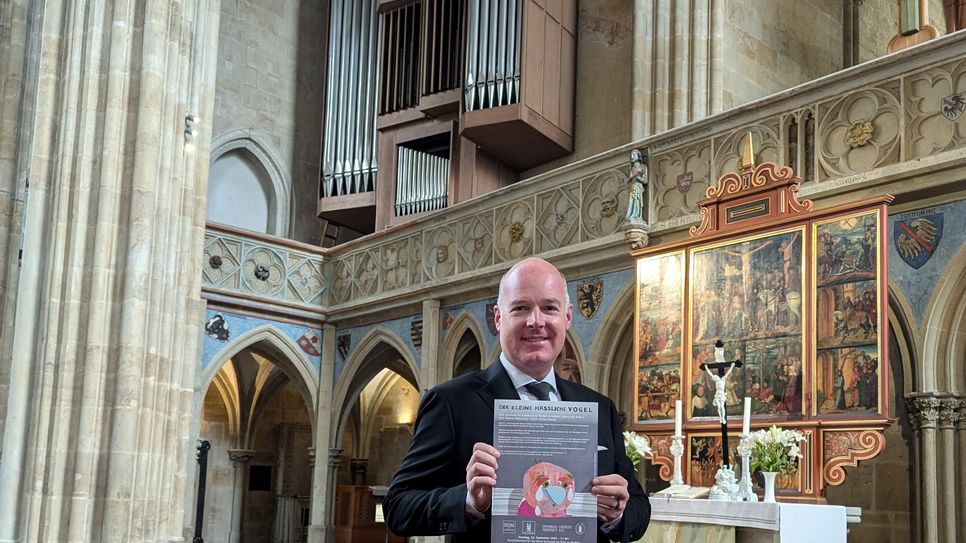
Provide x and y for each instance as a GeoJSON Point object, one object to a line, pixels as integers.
{"type": "Point", "coordinates": [799, 294]}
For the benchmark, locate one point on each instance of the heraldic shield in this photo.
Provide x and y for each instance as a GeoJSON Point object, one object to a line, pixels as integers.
{"type": "Point", "coordinates": [589, 296]}
{"type": "Point", "coordinates": [917, 238]}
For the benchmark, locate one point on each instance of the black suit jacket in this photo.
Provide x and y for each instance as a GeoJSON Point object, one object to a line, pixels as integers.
{"type": "Point", "coordinates": [428, 494]}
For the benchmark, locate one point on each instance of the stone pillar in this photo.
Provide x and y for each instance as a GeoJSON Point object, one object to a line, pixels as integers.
{"type": "Point", "coordinates": [429, 352]}
{"type": "Point", "coordinates": [948, 421]}
{"type": "Point", "coordinates": [335, 460]}
{"type": "Point", "coordinates": [104, 336]}
{"type": "Point", "coordinates": [924, 414]}
{"type": "Point", "coordinates": [240, 459]}
{"type": "Point", "coordinates": [320, 529]}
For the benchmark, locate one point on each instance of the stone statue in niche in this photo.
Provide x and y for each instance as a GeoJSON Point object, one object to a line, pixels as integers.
{"type": "Point", "coordinates": [636, 187]}
{"type": "Point", "coordinates": [635, 230]}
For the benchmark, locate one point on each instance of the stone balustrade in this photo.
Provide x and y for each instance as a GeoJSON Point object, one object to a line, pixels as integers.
{"type": "Point", "coordinates": [859, 131]}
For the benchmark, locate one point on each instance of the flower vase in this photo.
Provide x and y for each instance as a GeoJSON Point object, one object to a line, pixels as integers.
{"type": "Point", "coordinates": [769, 486]}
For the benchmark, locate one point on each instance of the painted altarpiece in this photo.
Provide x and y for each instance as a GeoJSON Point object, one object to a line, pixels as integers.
{"type": "Point", "coordinates": [798, 295]}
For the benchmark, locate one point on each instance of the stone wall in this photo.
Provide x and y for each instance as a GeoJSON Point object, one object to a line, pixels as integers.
{"type": "Point", "coordinates": [605, 42]}
{"type": "Point", "coordinates": [771, 46]}
{"type": "Point", "coordinates": [221, 474]}
{"type": "Point", "coordinates": [270, 80]}
{"type": "Point", "coordinates": [881, 488]}
{"type": "Point", "coordinates": [286, 408]}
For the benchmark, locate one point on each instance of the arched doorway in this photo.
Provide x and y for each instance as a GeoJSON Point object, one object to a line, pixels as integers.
{"type": "Point", "coordinates": [377, 396]}
{"type": "Point", "coordinates": [257, 415]}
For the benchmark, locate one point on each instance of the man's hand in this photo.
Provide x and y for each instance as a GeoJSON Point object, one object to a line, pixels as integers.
{"type": "Point", "coordinates": [481, 476]}
{"type": "Point", "coordinates": [611, 492]}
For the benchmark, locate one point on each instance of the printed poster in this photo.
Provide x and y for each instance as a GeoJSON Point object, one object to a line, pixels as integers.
{"type": "Point", "coordinates": [548, 460]}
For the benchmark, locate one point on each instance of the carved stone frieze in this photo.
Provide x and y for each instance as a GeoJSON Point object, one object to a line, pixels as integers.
{"type": "Point", "coordinates": [679, 180]}
{"type": "Point", "coordinates": [859, 131]}
{"type": "Point", "coordinates": [558, 217]}
{"type": "Point", "coordinates": [306, 281]}
{"type": "Point", "coordinates": [227, 254]}
{"type": "Point", "coordinates": [395, 264]}
{"type": "Point", "coordinates": [367, 273]}
{"type": "Point", "coordinates": [604, 202]}
{"type": "Point", "coordinates": [933, 120]}
{"type": "Point", "coordinates": [342, 280]}
{"type": "Point", "coordinates": [263, 270]}
{"type": "Point", "coordinates": [439, 258]}
{"type": "Point", "coordinates": [728, 148]}
{"type": "Point", "coordinates": [475, 242]}
{"type": "Point", "coordinates": [514, 230]}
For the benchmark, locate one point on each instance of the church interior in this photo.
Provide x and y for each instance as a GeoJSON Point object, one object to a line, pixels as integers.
{"type": "Point", "coordinates": [240, 238]}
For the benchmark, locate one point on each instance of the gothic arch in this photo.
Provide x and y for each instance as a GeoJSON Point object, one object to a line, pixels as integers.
{"type": "Point", "coordinates": [465, 322]}
{"type": "Point", "coordinates": [903, 329]}
{"type": "Point", "coordinates": [945, 330]}
{"type": "Point", "coordinates": [608, 343]}
{"type": "Point", "coordinates": [263, 154]}
{"type": "Point", "coordinates": [374, 353]}
{"type": "Point", "coordinates": [290, 360]}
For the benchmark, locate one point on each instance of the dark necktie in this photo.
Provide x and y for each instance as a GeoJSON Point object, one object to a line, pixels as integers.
{"type": "Point", "coordinates": [539, 389]}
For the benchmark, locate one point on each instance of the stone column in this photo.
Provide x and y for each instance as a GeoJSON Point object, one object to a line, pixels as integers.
{"type": "Point", "coordinates": [239, 461]}
{"type": "Point", "coordinates": [335, 460]}
{"type": "Point", "coordinates": [429, 352]}
{"type": "Point", "coordinates": [322, 485]}
{"type": "Point", "coordinates": [924, 412]}
{"type": "Point", "coordinates": [948, 420]}
{"type": "Point", "coordinates": [103, 341]}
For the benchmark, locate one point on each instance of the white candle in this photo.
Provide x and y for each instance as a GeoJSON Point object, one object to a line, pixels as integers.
{"type": "Point", "coordinates": [746, 418]}
{"type": "Point", "coordinates": [677, 418]}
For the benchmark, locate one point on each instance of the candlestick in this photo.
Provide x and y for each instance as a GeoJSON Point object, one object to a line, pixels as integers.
{"type": "Point", "coordinates": [677, 449]}
{"type": "Point", "coordinates": [677, 417]}
{"type": "Point", "coordinates": [745, 492]}
{"type": "Point", "coordinates": [746, 418]}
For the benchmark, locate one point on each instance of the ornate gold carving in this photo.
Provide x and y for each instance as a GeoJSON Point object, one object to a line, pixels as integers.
{"type": "Point", "coordinates": [751, 181]}
{"type": "Point", "coordinates": [515, 230]}
{"type": "Point", "coordinates": [859, 134]}
{"type": "Point", "coordinates": [848, 448]}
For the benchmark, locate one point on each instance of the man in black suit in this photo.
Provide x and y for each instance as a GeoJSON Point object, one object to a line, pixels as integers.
{"type": "Point", "coordinates": [445, 483]}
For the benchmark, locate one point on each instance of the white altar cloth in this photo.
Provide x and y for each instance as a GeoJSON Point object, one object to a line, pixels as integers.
{"type": "Point", "coordinates": [793, 522]}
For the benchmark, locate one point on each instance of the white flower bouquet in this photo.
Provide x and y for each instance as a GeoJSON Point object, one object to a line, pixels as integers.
{"type": "Point", "coordinates": [636, 446]}
{"type": "Point", "coordinates": [774, 449]}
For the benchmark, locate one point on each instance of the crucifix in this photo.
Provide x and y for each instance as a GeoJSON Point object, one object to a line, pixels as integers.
{"type": "Point", "coordinates": [720, 394]}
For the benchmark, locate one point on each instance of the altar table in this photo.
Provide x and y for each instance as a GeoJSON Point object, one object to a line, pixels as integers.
{"type": "Point", "coordinates": [685, 521]}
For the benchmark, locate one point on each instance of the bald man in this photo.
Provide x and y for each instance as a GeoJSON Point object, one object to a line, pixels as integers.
{"type": "Point", "coordinates": [445, 482]}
